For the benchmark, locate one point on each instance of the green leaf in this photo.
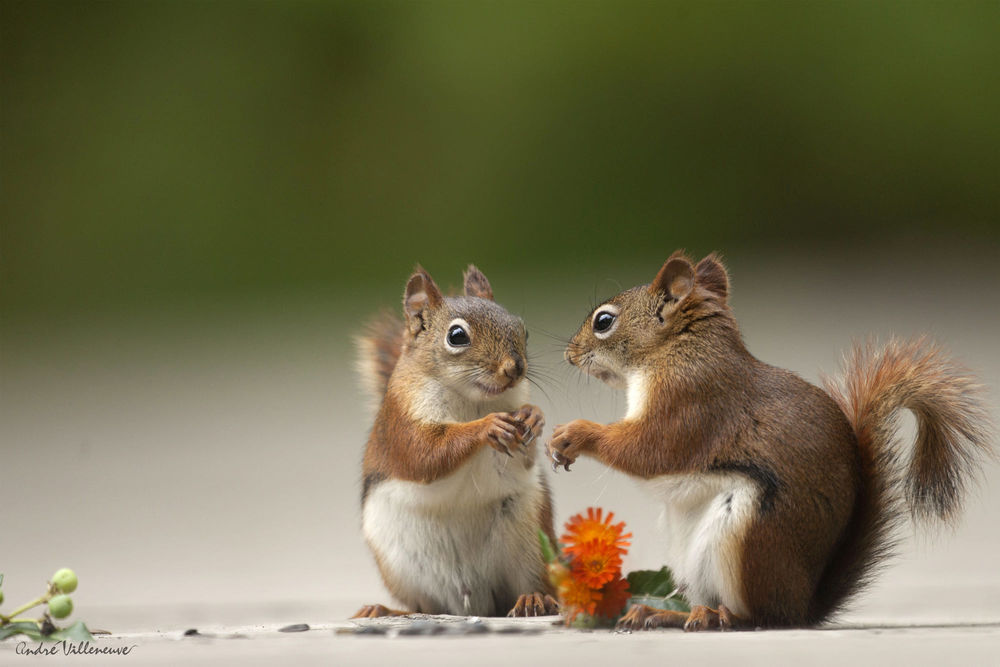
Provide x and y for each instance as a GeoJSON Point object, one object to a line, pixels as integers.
{"type": "Point", "coordinates": [28, 628]}
{"type": "Point", "coordinates": [77, 632]}
{"type": "Point", "coordinates": [655, 583]}
{"type": "Point", "coordinates": [585, 622]}
{"type": "Point", "coordinates": [656, 588]}
{"type": "Point", "coordinates": [675, 603]}
{"type": "Point", "coordinates": [549, 552]}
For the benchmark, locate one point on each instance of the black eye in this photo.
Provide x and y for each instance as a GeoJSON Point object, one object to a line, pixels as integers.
{"type": "Point", "coordinates": [603, 321]}
{"type": "Point", "coordinates": [458, 337]}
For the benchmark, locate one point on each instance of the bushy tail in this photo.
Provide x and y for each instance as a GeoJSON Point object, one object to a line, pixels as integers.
{"type": "Point", "coordinates": [953, 437]}
{"type": "Point", "coordinates": [378, 348]}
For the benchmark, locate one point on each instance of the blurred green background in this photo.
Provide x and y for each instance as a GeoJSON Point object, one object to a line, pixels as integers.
{"type": "Point", "coordinates": [166, 152]}
{"type": "Point", "coordinates": [199, 201]}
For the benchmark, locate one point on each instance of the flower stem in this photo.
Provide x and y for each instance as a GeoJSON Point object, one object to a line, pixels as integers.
{"type": "Point", "coordinates": [34, 603]}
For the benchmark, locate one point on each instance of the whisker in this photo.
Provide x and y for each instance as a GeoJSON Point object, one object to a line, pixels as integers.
{"type": "Point", "coordinates": [544, 387]}
{"type": "Point", "coordinates": [543, 379]}
{"type": "Point", "coordinates": [540, 370]}
{"type": "Point", "coordinates": [551, 335]}
{"type": "Point", "coordinates": [540, 388]}
{"type": "Point", "coordinates": [600, 494]}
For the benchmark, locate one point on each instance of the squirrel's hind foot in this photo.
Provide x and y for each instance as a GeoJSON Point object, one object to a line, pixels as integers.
{"type": "Point", "coordinates": [706, 618]}
{"type": "Point", "coordinates": [377, 611]}
{"type": "Point", "coordinates": [534, 604]}
{"type": "Point", "coordinates": [643, 617]}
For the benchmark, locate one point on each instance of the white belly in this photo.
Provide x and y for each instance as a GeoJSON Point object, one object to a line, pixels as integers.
{"type": "Point", "coordinates": [465, 544]}
{"type": "Point", "coordinates": [704, 519]}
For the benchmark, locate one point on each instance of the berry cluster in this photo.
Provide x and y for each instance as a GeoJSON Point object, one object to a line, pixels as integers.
{"type": "Point", "coordinates": [56, 598]}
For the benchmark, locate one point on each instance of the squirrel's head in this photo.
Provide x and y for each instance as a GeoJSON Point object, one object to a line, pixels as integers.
{"type": "Point", "coordinates": [622, 334]}
{"type": "Point", "coordinates": [470, 343]}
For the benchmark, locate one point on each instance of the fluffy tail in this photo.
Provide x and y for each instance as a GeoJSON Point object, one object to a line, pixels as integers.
{"type": "Point", "coordinates": [378, 348]}
{"type": "Point", "coordinates": [953, 437]}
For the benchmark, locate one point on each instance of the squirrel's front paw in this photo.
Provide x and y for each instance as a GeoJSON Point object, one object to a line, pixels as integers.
{"type": "Point", "coordinates": [531, 422]}
{"type": "Point", "coordinates": [502, 431]}
{"type": "Point", "coordinates": [568, 442]}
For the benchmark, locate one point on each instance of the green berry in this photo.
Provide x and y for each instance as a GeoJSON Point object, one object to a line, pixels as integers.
{"type": "Point", "coordinates": [65, 580]}
{"type": "Point", "coordinates": [60, 606]}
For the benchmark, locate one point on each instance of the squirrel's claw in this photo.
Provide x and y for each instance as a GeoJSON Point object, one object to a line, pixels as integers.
{"type": "Point", "coordinates": [559, 460]}
{"type": "Point", "coordinates": [529, 422]}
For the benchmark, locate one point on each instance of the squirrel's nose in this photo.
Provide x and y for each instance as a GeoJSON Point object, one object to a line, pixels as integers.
{"type": "Point", "coordinates": [512, 367]}
{"type": "Point", "coordinates": [570, 353]}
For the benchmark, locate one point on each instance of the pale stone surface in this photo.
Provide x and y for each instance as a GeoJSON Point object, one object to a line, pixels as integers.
{"type": "Point", "coordinates": [208, 473]}
{"type": "Point", "coordinates": [967, 643]}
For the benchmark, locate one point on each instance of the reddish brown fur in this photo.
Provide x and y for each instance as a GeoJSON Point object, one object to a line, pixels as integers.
{"type": "Point", "coordinates": [403, 448]}
{"type": "Point", "coordinates": [397, 357]}
{"type": "Point", "coordinates": [826, 478]}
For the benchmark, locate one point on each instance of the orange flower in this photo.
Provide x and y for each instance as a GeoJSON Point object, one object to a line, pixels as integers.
{"type": "Point", "coordinates": [614, 597]}
{"type": "Point", "coordinates": [580, 531]}
{"type": "Point", "coordinates": [595, 563]}
{"type": "Point", "coordinates": [576, 597]}
{"type": "Point", "coordinates": [589, 580]}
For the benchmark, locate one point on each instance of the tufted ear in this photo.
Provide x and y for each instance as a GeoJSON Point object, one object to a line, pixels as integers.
{"type": "Point", "coordinates": [711, 275]}
{"type": "Point", "coordinates": [476, 283]}
{"type": "Point", "coordinates": [421, 296]}
{"type": "Point", "coordinates": [675, 279]}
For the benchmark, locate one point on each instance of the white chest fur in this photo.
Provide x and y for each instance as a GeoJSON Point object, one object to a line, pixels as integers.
{"type": "Point", "coordinates": [704, 519]}
{"type": "Point", "coordinates": [636, 388]}
{"type": "Point", "coordinates": [437, 403]}
{"type": "Point", "coordinates": [466, 543]}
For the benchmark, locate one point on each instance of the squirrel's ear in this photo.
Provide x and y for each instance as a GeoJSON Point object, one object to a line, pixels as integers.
{"type": "Point", "coordinates": [421, 295]}
{"type": "Point", "coordinates": [675, 279]}
{"type": "Point", "coordinates": [712, 276]}
{"type": "Point", "coordinates": [476, 283]}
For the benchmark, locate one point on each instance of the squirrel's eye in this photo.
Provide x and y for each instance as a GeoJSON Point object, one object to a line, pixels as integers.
{"type": "Point", "coordinates": [458, 337]}
{"type": "Point", "coordinates": [603, 321]}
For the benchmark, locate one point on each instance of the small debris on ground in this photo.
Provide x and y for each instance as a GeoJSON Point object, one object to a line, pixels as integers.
{"type": "Point", "coordinates": [295, 627]}
{"type": "Point", "coordinates": [417, 626]}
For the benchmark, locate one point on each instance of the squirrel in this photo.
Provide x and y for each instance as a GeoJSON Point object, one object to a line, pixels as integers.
{"type": "Point", "coordinates": [452, 500]}
{"type": "Point", "coordinates": [780, 499]}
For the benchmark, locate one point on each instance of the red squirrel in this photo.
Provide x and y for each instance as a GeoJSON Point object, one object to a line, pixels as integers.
{"type": "Point", "coordinates": [779, 498]}
{"type": "Point", "coordinates": [452, 498]}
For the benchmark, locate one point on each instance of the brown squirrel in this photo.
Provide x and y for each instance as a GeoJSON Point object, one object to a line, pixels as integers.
{"type": "Point", "coordinates": [452, 500]}
{"type": "Point", "coordinates": [779, 498]}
